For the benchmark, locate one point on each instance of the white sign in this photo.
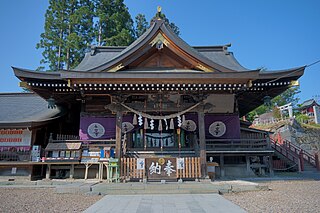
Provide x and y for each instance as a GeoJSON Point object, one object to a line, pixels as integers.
{"type": "Point", "coordinates": [12, 137]}
{"type": "Point", "coordinates": [14, 170]}
{"type": "Point", "coordinates": [180, 163]}
{"type": "Point", "coordinates": [35, 153]}
{"type": "Point", "coordinates": [217, 129]}
{"type": "Point", "coordinates": [140, 164]}
{"type": "Point", "coordinates": [96, 130]}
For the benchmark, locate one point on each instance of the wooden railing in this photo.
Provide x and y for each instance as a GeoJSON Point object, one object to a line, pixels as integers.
{"type": "Point", "coordinates": [15, 155]}
{"type": "Point", "coordinates": [293, 157]}
{"type": "Point", "coordinates": [238, 144]}
{"type": "Point", "coordinates": [75, 138]}
{"type": "Point", "coordinates": [301, 154]}
{"type": "Point", "coordinates": [299, 151]}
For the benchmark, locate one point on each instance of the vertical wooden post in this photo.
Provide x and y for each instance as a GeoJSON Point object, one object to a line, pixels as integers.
{"type": "Point", "coordinates": [316, 157]}
{"type": "Point", "coordinates": [248, 165]}
{"type": "Point", "coordinates": [48, 172]}
{"type": "Point", "coordinates": [301, 160]}
{"type": "Point", "coordinates": [86, 171]}
{"type": "Point", "coordinates": [118, 134]}
{"type": "Point", "coordinates": [222, 172]}
{"type": "Point", "coordinates": [271, 165]}
{"type": "Point", "coordinates": [202, 143]}
{"type": "Point", "coordinates": [71, 171]}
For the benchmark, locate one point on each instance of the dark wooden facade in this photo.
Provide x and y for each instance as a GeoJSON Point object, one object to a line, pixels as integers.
{"type": "Point", "coordinates": [162, 79]}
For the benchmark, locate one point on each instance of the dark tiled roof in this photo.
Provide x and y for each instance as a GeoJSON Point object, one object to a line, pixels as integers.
{"type": "Point", "coordinates": [101, 56]}
{"type": "Point", "coordinates": [222, 57]}
{"type": "Point", "coordinates": [308, 103]}
{"type": "Point", "coordinates": [18, 108]}
{"type": "Point", "coordinates": [98, 56]}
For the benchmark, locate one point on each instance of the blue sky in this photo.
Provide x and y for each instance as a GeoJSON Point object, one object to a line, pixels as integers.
{"type": "Point", "coordinates": [273, 34]}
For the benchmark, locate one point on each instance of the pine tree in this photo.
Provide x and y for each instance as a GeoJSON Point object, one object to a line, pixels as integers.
{"type": "Point", "coordinates": [67, 32]}
{"type": "Point", "coordinates": [141, 25]}
{"type": "Point", "coordinates": [114, 26]}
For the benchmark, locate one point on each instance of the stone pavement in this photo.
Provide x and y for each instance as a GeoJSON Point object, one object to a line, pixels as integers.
{"type": "Point", "coordinates": [175, 203]}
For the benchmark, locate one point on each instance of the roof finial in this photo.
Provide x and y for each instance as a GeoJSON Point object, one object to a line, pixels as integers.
{"type": "Point", "coordinates": [158, 15]}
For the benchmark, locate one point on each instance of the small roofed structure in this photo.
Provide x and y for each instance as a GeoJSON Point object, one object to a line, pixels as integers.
{"type": "Point", "coordinates": [63, 151]}
{"type": "Point", "coordinates": [307, 107]}
{"type": "Point", "coordinates": [25, 120]}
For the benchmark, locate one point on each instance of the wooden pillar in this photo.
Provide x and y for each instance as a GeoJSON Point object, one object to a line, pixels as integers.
{"type": "Point", "coordinates": [301, 160]}
{"type": "Point", "coordinates": [48, 172]}
{"type": "Point", "coordinates": [271, 166]}
{"type": "Point", "coordinates": [316, 157]}
{"type": "Point", "coordinates": [222, 172]}
{"type": "Point", "coordinates": [71, 171]}
{"type": "Point", "coordinates": [248, 165]}
{"type": "Point", "coordinates": [118, 134]}
{"type": "Point", "coordinates": [86, 171]}
{"type": "Point", "coordinates": [202, 144]}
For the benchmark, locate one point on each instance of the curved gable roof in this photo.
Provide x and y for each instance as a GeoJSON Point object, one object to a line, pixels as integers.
{"type": "Point", "coordinates": [212, 58]}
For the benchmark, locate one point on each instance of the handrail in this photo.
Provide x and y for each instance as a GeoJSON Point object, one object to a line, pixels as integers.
{"type": "Point", "coordinates": [306, 155]}
{"type": "Point", "coordinates": [285, 152]}
{"type": "Point", "coordinates": [311, 159]}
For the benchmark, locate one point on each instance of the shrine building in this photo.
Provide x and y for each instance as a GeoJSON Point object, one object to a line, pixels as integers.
{"type": "Point", "coordinates": [158, 109]}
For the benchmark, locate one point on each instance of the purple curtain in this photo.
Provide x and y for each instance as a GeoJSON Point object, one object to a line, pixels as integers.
{"type": "Point", "coordinates": [231, 122]}
{"type": "Point", "coordinates": [108, 124]}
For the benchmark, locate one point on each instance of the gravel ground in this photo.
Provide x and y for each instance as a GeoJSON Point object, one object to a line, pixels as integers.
{"type": "Point", "coordinates": [285, 196]}
{"type": "Point", "coordinates": [43, 200]}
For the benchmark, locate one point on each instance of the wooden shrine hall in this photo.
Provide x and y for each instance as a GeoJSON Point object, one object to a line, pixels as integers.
{"type": "Point", "coordinates": [164, 109]}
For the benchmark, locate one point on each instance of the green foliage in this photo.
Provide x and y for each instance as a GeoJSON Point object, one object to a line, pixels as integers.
{"type": "Point", "coordinates": [276, 112]}
{"type": "Point", "coordinates": [71, 26]}
{"type": "Point", "coordinates": [114, 26]}
{"type": "Point", "coordinates": [288, 96]}
{"type": "Point", "coordinates": [141, 25]}
{"type": "Point", "coordinates": [302, 118]}
{"type": "Point", "coordinates": [67, 33]}
{"type": "Point", "coordinates": [162, 16]}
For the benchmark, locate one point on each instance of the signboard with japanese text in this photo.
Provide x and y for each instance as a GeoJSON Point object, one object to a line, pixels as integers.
{"type": "Point", "coordinates": [140, 163]}
{"type": "Point", "coordinates": [13, 137]}
{"type": "Point", "coordinates": [161, 168]}
{"type": "Point", "coordinates": [180, 163]}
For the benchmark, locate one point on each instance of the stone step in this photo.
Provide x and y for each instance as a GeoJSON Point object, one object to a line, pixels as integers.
{"type": "Point", "coordinates": [175, 188]}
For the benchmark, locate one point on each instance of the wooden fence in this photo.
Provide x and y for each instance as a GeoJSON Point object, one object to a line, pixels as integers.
{"type": "Point", "coordinates": [129, 169]}
{"type": "Point", "coordinates": [192, 169]}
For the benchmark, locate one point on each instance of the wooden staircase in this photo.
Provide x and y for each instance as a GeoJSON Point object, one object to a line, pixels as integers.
{"type": "Point", "coordinates": [295, 156]}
